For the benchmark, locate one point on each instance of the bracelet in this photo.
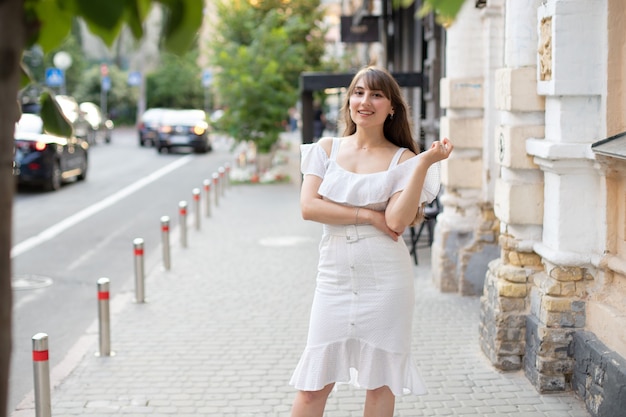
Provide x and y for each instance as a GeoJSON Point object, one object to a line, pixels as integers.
{"type": "Point", "coordinates": [356, 217]}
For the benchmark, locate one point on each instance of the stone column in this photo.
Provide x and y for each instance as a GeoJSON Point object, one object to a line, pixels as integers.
{"type": "Point", "coordinates": [462, 92]}
{"type": "Point", "coordinates": [572, 77]}
{"type": "Point", "coordinates": [518, 196]}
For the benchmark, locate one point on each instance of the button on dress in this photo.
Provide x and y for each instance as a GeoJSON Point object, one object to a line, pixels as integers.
{"type": "Point", "coordinates": [362, 311]}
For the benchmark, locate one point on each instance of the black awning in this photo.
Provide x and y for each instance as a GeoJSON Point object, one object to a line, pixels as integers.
{"type": "Point", "coordinates": [614, 146]}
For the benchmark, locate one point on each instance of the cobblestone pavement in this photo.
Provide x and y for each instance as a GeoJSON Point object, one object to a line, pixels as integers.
{"type": "Point", "coordinates": [223, 329]}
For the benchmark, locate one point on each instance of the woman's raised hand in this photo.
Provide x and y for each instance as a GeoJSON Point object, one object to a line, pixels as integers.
{"type": "Point", "coordinates": [440, 150]}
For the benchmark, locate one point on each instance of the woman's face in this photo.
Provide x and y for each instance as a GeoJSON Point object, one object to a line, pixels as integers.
{"type": "Point", "coordinates": [368, 107]}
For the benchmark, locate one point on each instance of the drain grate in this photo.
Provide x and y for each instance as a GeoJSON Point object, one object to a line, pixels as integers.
{"type": "Point", "coordinates": [30, 282]}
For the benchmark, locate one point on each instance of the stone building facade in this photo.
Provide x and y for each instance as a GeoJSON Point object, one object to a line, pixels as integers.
{"type": "Point", "coordinates": [534, 217]}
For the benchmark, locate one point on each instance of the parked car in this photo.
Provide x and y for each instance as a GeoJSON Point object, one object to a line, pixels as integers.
{"type": "Point", "coordinates": [70, 108]}
{"type": "Point", "coordinates": [184, 128]}
{"type": "Point", "coordinates": [100, 128]}
{"type": "Point", "coordinates": [47, 160]}
{"type": "Point", "coordinates": [148, 126]}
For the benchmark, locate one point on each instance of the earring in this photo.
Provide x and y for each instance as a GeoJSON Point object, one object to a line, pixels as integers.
{"type": "Point", "coordinates": [390, 116]}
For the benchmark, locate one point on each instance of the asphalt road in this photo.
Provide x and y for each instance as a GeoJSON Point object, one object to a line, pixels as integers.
{"type": "Point", "coordinates": [64, 241]}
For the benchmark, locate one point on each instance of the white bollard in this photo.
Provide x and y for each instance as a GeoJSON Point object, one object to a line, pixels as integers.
{"type": "Point", "coordinates": [216, 186]}
{"type": "Point", "coordinates": [139, 270]}
{"type": "Point", "coordinates": [104, 320]}
{"type": "Point", "coordinates": [182, 214]}
{"type": "Point", "coordinates": [222, 173]}
{"type": "Point", "coordinates": [196, 206]}
{"type": "Point", "coordinates": [41, 368]}
{"type": "Point", "coordinates": [206, 185]}
{"type": "Point", "coordinates": [165, 241]}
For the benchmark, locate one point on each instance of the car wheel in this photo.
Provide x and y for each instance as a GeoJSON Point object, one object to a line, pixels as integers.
{"type": "Point", "coordinates": [54, 182]}
{"type": "Point", "coordinates": [159, 149]}
{"type": "Point", "coordinates": [142, 142]}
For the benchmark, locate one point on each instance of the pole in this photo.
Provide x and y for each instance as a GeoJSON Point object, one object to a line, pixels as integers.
{"type": "Point", "coordinates": [104, 321]}
{"type": "Point", "coordinates": [41, 368]}
{"type": "Point", "coordinates": [216, 183]}
{"type": "Point", "coordinates": [182, 212]}
{"type": "Point", "coordinates": [139, 271]}
{"type": "Point", "coordinates": [222, 173]}
{"type": "Point", "coordinates": [196, 206]}
{"type": "Point", "coordinates": [165, 241]}
{"type": "Point", "coordinates": [206, 185]}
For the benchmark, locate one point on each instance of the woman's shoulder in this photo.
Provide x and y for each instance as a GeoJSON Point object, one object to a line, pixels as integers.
{"type": "Point", "coordinates": [326, 143]}
{"type": "Point", "coordinates": [406, 155]}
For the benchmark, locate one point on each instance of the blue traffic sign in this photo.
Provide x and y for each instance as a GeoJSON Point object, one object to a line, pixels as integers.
{"type": "Point", "coordinates": [207, 78]}
{"type": "Point", "coordinates": [106, 83]}
{"type": "Point", "coordinates": [54, 77]}
{"type": "Point", "coordinates": [134, 78]}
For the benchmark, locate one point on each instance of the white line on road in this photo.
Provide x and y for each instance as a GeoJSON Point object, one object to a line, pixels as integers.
{"type": "Point", "coordinates": [60, 227]}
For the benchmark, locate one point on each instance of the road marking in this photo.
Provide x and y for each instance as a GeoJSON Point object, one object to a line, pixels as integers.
{"type": "Point", "coordinates": [87, 212]}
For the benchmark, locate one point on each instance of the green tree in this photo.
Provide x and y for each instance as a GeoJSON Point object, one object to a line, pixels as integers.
{"type": "Point", "coordinates": [24, 24]}
{"type": "Point", "coordinates": [121, 98]}
{"type": "Point", "coordinates": [176, 82]}
{"type": "Point", "coordinates": [259, 51]}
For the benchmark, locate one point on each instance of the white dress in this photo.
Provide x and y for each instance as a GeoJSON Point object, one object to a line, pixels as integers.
{"type": "Point", "coordinates": [361, 317]}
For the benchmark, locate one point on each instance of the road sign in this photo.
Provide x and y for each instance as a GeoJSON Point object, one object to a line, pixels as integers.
{"type": "Point", "coordinates": [207, 78]}
{"type": "Point", "coordinates": [54, 77]}
{"type": "Point", "coordinates": [106, 83]}
{"type": "Point", "coordinates": [134, 78]}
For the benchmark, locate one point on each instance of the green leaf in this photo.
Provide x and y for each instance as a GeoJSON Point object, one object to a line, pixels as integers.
{"type": "Point", "coordinates": [446, 10]}
{"type": "Point", "coordinates": [54, 121]}
{"type": "Point", "coordinates": [25, 77]}
{"type": "Point", "coordinates": [135, 13]}
{"type": "Point", "coordinates": [183, 20]}
{"type": "Point", "coordinates": [104, 18]}
{"type": "Point", "coordinates": [55, 23]}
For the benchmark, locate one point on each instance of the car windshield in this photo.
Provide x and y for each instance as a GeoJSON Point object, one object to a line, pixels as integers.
{"type": "Point", "coordinates": [29, 123]}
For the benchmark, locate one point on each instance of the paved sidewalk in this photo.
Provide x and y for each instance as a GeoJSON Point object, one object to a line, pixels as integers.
{"type": "Point", "coordinates": [222, 331]}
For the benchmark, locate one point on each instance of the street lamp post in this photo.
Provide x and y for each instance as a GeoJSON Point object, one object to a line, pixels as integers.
{"type": "Point", "coordinates": [62, 60]}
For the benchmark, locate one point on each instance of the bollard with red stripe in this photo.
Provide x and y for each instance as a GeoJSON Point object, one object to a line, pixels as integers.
{"type": "Point", "coordinates": [139, 270]}
{"type": "Point", "coordinates": [222, 173]}
{"type": "Point", "coordinates": [182, 214]}
{"type": "Point", "coordinates": [206, 185]}
{"type": "Point", "coordinates": [41, 368]}
{"type": "Point", "coordinates": [196, 206]}
{"type": "Point", "coordinates": [165, 242]}
{"type": "Point", "coordinates": [104, 320]}
{"type": "Point", "coordinates": [216, 184]}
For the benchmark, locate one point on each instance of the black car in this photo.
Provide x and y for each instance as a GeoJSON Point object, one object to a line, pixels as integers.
{"type": "Point", "coordinates": [47, 160]}
{"type": "Point", "coordinates": [148, 126]}
{"type": "Point", "coordinates": [184, 128]}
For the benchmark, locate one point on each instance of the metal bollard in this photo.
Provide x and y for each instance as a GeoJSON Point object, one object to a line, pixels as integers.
{"type": "Point", "coordinates": [222, 173]}
{"type": "Point", "coordinates": [104, 321]}
{"type": "Point", "coordinates": [182, 214]}
{"type": "Point", "coordinates": [139, 271]}
{"type": "Point", "coordinates": [206, 185]}
{"type": "Point", "coordinates": [227, 167]}
{"type": "Point", "coordinates": [196, 206]}
{"type": "Point", "coordinates": [165, 241]}
{"type": "Point", "coordinates": [216, 183]}
{"type": "Point", "coordinates": [41, 368]}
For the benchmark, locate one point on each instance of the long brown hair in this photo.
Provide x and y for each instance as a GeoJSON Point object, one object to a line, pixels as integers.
{"type": "Point", "coordinates": [397, 129]}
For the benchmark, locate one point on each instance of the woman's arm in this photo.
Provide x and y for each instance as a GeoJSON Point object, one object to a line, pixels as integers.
{"type": "Point", "coordinates": [323, 211]}
{"type": "Point", "coordinates": [403, 205]}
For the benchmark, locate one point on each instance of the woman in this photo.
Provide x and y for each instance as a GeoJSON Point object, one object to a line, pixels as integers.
{"type": "Point", "coordinates": [365, 188]}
